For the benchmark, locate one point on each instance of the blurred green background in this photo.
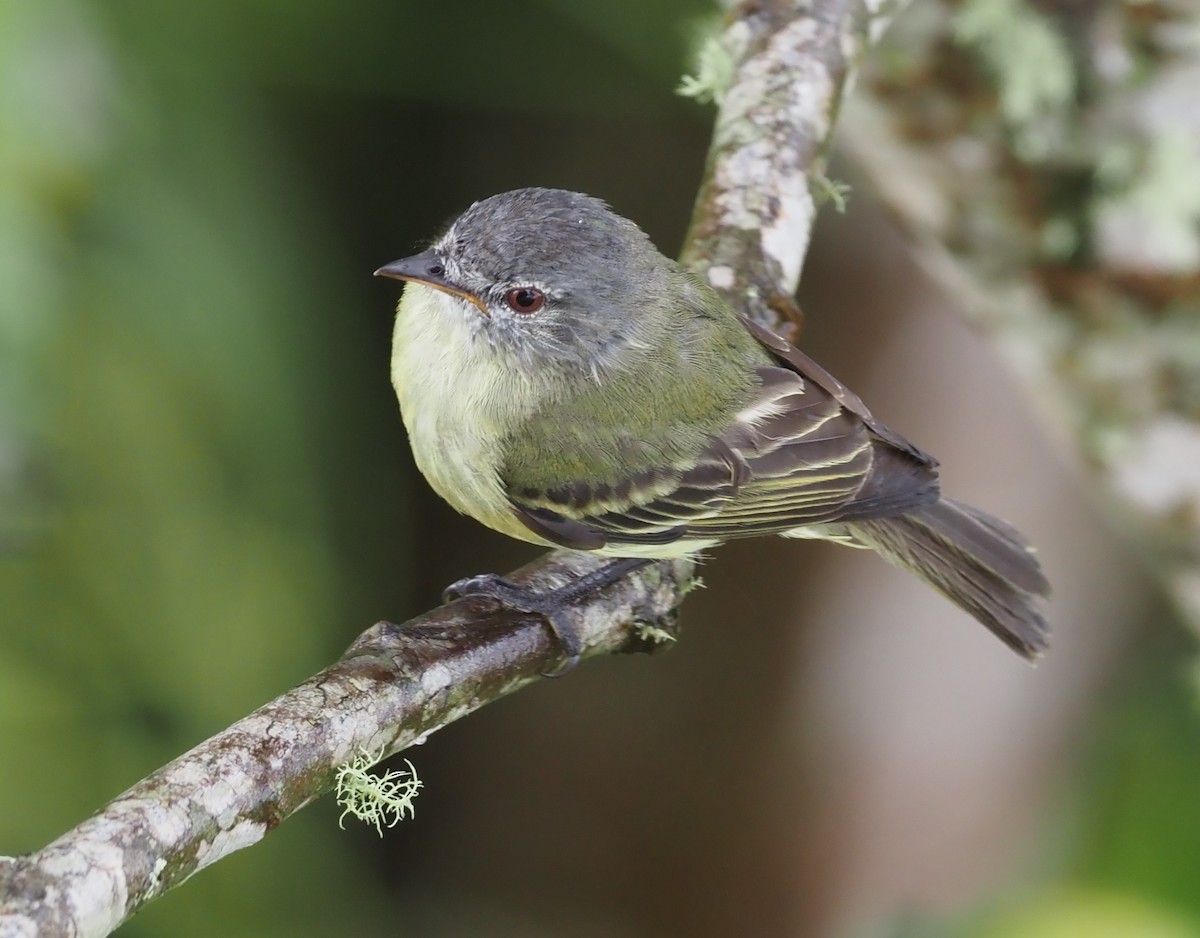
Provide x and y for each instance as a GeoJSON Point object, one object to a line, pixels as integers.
{"type": "Point", "coordinates": [205, 493]}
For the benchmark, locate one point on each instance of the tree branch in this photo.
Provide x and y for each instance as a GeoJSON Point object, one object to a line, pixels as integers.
{"type": "Point", "coordinates": [791, 63]}
{"type": "Point", "coordinates": [396, 684]}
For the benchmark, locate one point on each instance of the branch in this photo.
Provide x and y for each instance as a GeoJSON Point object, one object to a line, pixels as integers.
{"type": "Point", "coordinates": [791, 63]}
{"type": "Point", "coordinates": [393, 687]}
{"type": "Point", "coordinates": [396, 684]}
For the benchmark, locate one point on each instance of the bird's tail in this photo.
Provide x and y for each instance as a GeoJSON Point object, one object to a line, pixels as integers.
{"type": "Point", "coordinates": [978, 562]}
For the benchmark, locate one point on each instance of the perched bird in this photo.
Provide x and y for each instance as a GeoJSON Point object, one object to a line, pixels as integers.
{"type": "Point", "coordinates": [566, 384]}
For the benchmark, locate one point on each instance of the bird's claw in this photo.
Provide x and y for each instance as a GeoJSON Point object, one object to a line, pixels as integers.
{"type": "Point", "coordinates": [509, 595]}
{"type": "Point", "coordinates": [485, 584]}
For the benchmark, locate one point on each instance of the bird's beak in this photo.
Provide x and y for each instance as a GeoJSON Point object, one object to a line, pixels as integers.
{"type": "Point", "coordinates": [427, 268]}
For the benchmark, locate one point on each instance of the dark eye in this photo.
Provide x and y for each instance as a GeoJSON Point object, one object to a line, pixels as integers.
{"type": "Point", "coordinates": [525, 299]}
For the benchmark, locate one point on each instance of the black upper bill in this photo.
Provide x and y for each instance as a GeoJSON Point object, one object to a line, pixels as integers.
{"type": "Point", "coordinates": [427, 268]}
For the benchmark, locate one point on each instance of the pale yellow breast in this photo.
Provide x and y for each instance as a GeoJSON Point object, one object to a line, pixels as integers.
{"type": "Point", "coordinates": [459, 401]}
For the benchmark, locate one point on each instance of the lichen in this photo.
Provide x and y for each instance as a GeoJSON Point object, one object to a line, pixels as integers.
{"type": "Point", "coordinates": [380, 800]}
{"type": "Point", "coordinates": [712, 71]}
{"type": "Point", "coordinates": [833, 191]}
{"type": "Point", "coordinates": [652, 633]}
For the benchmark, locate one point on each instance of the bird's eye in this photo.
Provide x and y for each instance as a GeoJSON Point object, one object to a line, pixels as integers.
{"type": "Point", "coordinates": [525, 299]}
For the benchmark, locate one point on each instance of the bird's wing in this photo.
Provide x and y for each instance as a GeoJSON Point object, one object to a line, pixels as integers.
{"type": "Point", "coordinates": [803, 451]}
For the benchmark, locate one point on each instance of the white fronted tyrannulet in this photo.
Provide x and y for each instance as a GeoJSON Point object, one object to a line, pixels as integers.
{"type": "Point", "coordinates": [566, 384]}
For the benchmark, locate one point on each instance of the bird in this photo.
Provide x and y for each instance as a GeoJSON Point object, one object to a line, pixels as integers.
{"type": "Point", "coordinates": [565, 383]}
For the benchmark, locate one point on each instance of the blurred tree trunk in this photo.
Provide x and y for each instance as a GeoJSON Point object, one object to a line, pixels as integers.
{"type": "Point", "coordinates": [1042, 161]}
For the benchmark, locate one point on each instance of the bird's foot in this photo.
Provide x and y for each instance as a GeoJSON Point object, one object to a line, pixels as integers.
{"type": "Point", "coordinates": [517, 598]}
{"type": "Point", "coordinates": [550, 605]}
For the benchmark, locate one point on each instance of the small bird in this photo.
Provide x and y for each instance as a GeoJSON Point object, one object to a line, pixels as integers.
{"type": "Point", "coordinates": [565, 383]}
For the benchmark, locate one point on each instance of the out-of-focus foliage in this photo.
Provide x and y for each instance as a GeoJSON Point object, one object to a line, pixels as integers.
{"type": "Point", "coordinates": [1129, 836]}
{"type": "Point", "coordinates": [1096, 915]}
{"type": "Point", "coordinates": [192, 499]}
{"type": "Point", "coordinates": [166, 564]}
{"type": "Point", "coordinates": [1140, 829]}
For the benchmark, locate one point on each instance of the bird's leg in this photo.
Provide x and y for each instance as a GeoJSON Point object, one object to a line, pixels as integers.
{"type": "Point", "coordinates": [548, 604]}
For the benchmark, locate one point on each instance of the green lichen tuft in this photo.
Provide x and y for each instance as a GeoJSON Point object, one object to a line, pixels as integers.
{"type": "Point", "coordinates": [833, 191]}
{"type": "Point", "coordinates": [711, 74]}
{"type": "Point", "coordinates": [652, 633]}
{"type": "Point", "coordinates": [381, 800]}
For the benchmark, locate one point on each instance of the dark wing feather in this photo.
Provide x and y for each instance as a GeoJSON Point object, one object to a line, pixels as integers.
{"type": "Point", "coordinates": [793, 358]}
{"type": "Point", "coordinates": [804, 451]}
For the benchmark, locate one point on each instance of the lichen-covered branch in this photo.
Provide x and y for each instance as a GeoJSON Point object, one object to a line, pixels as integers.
{"type": "Point", "coordinates": [1042, 158]}
{"type": "Point", "coordinates": [394, 686]}
{"type": "Point", "coordinates": [790, 65]}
